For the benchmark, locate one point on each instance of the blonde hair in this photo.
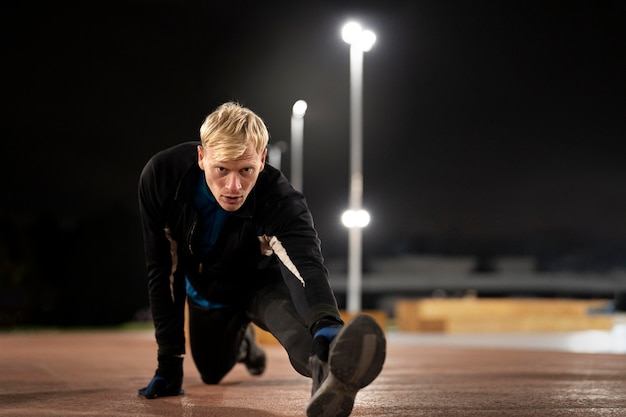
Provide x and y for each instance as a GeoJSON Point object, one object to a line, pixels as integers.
{"type": "Point", "coordinates": [230, 129]}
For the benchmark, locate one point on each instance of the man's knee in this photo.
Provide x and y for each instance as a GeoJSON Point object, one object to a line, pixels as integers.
{"type": "Point", "coordinates": [214, 377]}
{"type": "Point", "coordinates": [211, 379]}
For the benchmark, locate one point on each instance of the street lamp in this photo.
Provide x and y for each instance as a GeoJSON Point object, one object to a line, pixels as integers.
{"type": "Point", "coordinates": [297, 133]}
{"type": "Point", "coordinates": [275, 154]}
{"type": "Point", "coordinates": [356, 218]}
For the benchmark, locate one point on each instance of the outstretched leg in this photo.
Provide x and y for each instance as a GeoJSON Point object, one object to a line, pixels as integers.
{"type": "Point", "coordinates": [273, 310]}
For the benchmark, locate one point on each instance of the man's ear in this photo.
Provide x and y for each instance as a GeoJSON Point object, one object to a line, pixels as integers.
{"type": "Point", "coordinates": [263, 156]}
{"type": "Point", "coordinates": [201, 157]}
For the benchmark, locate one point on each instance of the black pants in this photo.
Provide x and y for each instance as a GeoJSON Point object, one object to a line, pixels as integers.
{"type": "Point", "coordinates": [215, 335]}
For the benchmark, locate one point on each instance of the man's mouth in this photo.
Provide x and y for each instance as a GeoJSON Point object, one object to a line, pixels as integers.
{"type": "Point", "coordinates": [231, 199]}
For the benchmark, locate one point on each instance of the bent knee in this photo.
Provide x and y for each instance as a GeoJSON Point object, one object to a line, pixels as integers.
{"type": "Point", "coordinates": [212, 379]}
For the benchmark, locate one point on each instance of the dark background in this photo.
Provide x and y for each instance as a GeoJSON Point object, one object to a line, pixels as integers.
{"type": "Point", "coordinates": [489, 128]}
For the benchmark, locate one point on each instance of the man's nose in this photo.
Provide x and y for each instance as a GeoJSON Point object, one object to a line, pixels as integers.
{"type": "Point", "coordinates": [233, 182]}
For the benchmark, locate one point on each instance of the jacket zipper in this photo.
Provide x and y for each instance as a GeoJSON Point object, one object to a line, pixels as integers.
{"type": "Point", "coordinates": [192, 230]}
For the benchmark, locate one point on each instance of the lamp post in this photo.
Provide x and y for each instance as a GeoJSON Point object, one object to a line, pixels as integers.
{"type": "Point", "coordinates": [275, 152]}
{"type": "Point", "coordinates": [356, 218]}
{"type": "Point", "coordinates": [297, 134]}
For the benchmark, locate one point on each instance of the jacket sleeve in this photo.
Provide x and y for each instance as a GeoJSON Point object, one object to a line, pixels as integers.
{"type": "Point", "coordinates": [293, 239]}
{"type": "Point", "coordinates": [166, 285]}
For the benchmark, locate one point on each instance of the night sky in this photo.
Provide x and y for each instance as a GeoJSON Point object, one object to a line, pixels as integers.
{"type": "Point", "coordinates": [488, 125]}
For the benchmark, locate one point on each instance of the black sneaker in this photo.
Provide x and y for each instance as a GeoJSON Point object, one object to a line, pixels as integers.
{"type": "Point", "coordinates": [251, 353]}
{"type": "Point", "coordinates": [356, 358]}
{"type": "Point", "coordinates": [319, 372]}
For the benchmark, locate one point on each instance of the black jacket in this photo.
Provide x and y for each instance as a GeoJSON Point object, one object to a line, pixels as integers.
{"type": "Point", "coordinates": [272, 230]}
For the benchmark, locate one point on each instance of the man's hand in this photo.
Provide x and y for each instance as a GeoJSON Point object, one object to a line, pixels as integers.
{"type": "Point", "coordinates": [167, 380]}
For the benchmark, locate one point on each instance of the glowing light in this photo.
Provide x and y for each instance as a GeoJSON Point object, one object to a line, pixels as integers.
{"type": "Point", "coordinates": [353, 34]}
{"type": "Point", "coordinates": [355, 218]}
{"type": "Point", "coordinates": [299, 109]}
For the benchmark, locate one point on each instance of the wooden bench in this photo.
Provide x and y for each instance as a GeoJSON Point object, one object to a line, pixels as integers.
{"type": "Point", "coordinates": [470, 315]}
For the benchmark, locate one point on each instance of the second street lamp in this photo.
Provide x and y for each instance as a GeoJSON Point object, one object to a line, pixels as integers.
{"type": "Point", "coordinates": [356, 217]}
{"type": "Point", "coordinates": [297, 137]}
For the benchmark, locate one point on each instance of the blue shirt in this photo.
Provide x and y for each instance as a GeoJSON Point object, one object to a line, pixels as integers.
{"type": "Point", "coordinates": [211, 217]}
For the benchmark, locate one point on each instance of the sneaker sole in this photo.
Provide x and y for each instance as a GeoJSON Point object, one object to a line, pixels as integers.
{"type": "Point", "coordinates": [356, 358]}
{"type": "Point", "coordinates": [358, 353]}
{"type": "Point", "coordinates": [332, 399]}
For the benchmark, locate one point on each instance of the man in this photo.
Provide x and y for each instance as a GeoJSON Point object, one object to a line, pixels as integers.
{"type": "Point", "coordinates": [229, 234]}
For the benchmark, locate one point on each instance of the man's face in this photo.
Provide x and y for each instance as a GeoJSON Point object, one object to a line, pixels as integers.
{"type": "Point", "coordinates": [231, 181]}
